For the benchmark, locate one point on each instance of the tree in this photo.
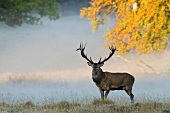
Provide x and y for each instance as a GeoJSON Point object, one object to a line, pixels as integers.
{"type": "Point", "coordinates": [17, 12]}
{"type": "Point", "coordinates": [141, 25]}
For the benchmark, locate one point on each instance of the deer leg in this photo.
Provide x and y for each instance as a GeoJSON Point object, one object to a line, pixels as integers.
{"type": "Point", "coordinates": [102, 94]}
{"type": "Point", "coordinates": [107, 92]}
{"type": "Point", "coordinates": [128, 90]}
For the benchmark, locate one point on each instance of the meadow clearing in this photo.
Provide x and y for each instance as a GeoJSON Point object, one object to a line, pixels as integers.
{"type": "Point", "coordinates": [94, 106]}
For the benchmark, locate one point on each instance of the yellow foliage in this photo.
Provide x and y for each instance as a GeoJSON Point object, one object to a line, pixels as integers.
{"type": "Point", "coordinates": [144, 29]}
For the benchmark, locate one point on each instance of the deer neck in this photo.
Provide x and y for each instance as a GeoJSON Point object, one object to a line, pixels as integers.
{"type": "Point", "coordinates": [98, 76]}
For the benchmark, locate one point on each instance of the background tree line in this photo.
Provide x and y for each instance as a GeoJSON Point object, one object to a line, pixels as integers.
{"type": "Point", "coordinates": [141, 25]}
{"type": "Point", "coordinates": [17, 12]}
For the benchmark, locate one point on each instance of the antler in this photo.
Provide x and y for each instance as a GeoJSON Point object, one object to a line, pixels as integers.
{"type": "Point", "coordinates": [82, 53]}
{"type": "Point", "coordinates": [110, 55]}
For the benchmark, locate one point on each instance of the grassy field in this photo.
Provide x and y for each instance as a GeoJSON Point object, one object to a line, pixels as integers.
{"type": "Point", "coordinates": [94, 106]}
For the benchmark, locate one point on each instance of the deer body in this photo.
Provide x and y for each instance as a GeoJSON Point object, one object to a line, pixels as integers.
{"type": "Point", "coordinates": [107, 81]}
{"type": "Point", "coordinates": [114, 81]}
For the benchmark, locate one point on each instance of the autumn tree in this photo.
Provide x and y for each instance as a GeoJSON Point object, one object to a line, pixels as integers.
{"type": "Point", "coordinates": [141, 25]}
{"type": "Point", "coordinates": [17, 12]}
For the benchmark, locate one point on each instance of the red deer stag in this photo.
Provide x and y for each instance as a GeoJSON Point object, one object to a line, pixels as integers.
{"type": "Point", "coordinates": [107, 81]}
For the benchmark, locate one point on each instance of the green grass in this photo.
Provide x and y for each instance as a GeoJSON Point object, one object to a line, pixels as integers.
{"type": "Point", "coordinates": [95, 106]}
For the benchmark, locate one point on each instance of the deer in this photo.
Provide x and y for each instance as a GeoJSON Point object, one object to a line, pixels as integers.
{"type": "Point", "coordinates": [107, 81]}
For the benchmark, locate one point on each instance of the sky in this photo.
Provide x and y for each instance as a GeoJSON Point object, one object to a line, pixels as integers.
{"type": "Point", "coordinates": [40, 62]}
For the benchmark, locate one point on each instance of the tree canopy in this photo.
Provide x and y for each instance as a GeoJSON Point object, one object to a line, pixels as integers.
{"type": "Point", "coordinates": [17, 12]}
{"type": "Point", "coordinates": [141, 25]}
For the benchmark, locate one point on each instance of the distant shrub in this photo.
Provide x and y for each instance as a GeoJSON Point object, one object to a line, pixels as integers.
{"type": "Point", "coordinates": [64, 104]}
{"type": "Point", "coordinates": [102, 102]}
{"type": "Point", "coordinates": [29, 104]}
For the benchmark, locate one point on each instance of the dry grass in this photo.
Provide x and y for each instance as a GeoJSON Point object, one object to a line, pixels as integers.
{"type": "Point", "coordinates": [95, 106]}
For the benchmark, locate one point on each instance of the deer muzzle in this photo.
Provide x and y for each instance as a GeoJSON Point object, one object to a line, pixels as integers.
{"type": "Point", "coordinates": [95, 71]}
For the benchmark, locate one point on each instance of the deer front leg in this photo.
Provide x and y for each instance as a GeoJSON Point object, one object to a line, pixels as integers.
{"type": "Point", "coordinates": [102, 94]}
{"type": "Point", "coordinates": [107, 92]}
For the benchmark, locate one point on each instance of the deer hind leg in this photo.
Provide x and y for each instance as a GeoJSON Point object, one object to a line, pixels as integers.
{"type": "Point", "coordinates": [129, 92]}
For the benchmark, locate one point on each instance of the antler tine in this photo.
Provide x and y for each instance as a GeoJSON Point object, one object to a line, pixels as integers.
{"type": "Point", "coordinates": [115, 49]}
{"type": "Point", "coordinates": [100, 59]}
{"type": "Point", "coordinates": [85, 45]}
{"type": "Point", "coordinates": [110, 47]}
{"type": "Point", "coordinates": [81, 46]}
{"type": "Point", "coordinates": [91, 59]}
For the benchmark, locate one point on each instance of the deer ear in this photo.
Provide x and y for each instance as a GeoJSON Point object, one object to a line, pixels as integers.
{"type": "Point", "coordinates": [89, 63]}
{"type": "Point", "coordinates": [100, 65]}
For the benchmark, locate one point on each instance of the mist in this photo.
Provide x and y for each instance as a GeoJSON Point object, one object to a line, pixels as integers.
{"type": "Point", "coordinates": [40, 63]}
